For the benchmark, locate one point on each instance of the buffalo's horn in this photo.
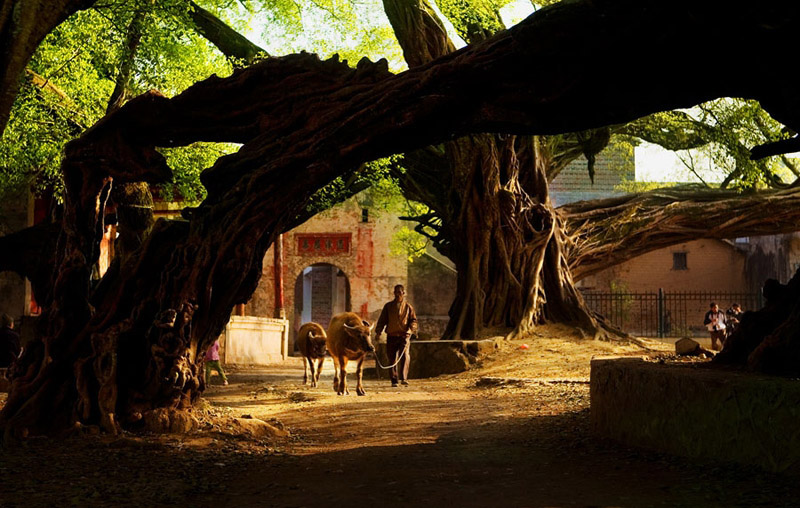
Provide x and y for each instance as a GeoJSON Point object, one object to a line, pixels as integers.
{"type": "Point", "coordinates": [349, 327]}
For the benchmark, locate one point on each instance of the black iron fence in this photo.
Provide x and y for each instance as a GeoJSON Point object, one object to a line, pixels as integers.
{"type": "Point", "coordinates": [665, 314]}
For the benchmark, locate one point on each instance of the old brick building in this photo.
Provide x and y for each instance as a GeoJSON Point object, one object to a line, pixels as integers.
{"type": "Point", "coordinates": [337, 261]}
{"type": "Point", "coordinates": [700, 265]}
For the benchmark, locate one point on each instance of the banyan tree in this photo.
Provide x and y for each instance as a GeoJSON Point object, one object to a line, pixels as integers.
{"type": "Point", "coordinates": [111, 357]}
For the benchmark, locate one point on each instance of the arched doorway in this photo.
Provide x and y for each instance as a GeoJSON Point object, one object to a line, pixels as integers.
{"type": "Point", "coordinates": [320, 291]}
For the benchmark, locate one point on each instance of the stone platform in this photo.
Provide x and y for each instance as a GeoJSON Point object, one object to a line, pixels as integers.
{"type": "Point", "coordinates": [698, 410]}
{"type": "Point", "coordinates": [431, 358]}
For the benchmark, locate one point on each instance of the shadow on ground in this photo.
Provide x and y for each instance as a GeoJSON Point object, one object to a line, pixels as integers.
{"type": "Point", "coordinates": [538, 462]}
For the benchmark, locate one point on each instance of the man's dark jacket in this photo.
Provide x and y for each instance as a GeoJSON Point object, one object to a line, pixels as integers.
{"type": "Point", "coordinates": [9, 346]}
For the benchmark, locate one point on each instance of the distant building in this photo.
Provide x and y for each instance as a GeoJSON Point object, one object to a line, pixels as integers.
{"type": "Point", "coordinates": [700, 265]}
{"type": "Point", "coordinates": [740, 265]}
{"type": "Point", "coordinates": [337, 261]}
{"type": "Point", "coordinates": [573, 183]}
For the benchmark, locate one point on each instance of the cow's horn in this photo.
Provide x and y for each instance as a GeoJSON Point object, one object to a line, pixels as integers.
{"type": "Point", "coordinates": [350, 327]}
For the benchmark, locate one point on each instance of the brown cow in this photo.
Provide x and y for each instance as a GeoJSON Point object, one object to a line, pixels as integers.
{"type": "Point", "coordinates": [311, 343]}
{"type": "Point", "coordinates": [348, 339]}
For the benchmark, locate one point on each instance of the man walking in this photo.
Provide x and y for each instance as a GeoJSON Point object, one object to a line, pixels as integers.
{"type": "Point", "coordinates": [400, 321]}
{"type": "Point", "coordinates": [715, 322]}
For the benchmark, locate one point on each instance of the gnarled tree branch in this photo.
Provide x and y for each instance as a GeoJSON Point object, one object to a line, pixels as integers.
{"type": "Point", "coordinates": [606, 232]}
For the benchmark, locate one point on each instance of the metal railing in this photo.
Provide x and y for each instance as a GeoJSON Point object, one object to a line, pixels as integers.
{"type": "Point", "coordinates": [665, 314]}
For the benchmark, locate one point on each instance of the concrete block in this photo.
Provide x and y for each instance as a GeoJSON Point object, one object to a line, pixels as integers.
{"type": "Point", "coordinates": [698, 410]}
{"type": "Point", "coordinates": [256, 340]}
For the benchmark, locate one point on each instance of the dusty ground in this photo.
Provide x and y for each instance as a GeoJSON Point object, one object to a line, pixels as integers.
{"type": "Point", "coordinates": [441, 442]}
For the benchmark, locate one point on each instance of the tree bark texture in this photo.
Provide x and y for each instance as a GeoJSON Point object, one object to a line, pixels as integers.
{"type": "Point", "coordinates": [133, 37]}
{"type": "Point", "coordinates": [419, 31]}
{"type": "Point", "coordinates": [509, 243]}
{"type": "Point", "coordinates": [138, 349]}
{"type": "Point", "coordinates": [230, 42]}
{"type": "Point", "coordinates": [504, 237]}
{"type": "Point", "coordinates": [606, 232]}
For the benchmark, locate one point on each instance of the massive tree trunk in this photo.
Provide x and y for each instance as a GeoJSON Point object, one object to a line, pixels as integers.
{"type": "Point", "coordinates": [507, 241]}
{"type": "Point", "coordinates": [497, 221]}
{"type": "Point", "coordinates": [23, 26]}
{"type": "Point", "coordinates": [138, 349]}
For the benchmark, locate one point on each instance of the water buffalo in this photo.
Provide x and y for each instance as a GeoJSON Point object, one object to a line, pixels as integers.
{"type": "Point", "coordinates": [311, 343]}
{"type": "Point", "coordinates": [348, 339]}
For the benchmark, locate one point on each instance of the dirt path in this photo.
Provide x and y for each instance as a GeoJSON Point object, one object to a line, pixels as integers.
{"type": "Point", "coordinates": [439, 442]}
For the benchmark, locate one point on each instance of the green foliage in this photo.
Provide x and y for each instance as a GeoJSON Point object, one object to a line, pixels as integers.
{"type": "Point", "coordinates": [374, 187]}
{"type": "Point", "coordinates": [740, 125]}
{"type": "Point", "coordinates": [408, 243]}
{"type": "Point", "coordinates": [171, 58]}
{"type": "Point", "coordinates": [620, 153]}
{"type": "Point", "coordinates": [632, 187]}
{"type": "Point", "coordinates": [713, 140]}
{"type": "Point", "coordinates": [344, 187]}
{"type": "Point", "coordinates": [352, 30]}
{"type": "Point", "coordinates": [386, 196]}
{"type": "Point", "coordinates": [191, 161]}
{"type": "Point", "coordinates": [474, 19]}
{"type": "Point", "coordinates": [80, 61]}
{"type": "Point", "coordinates": [46, 116]}
{"type": "Point", "coordinates": [82, 58]}
{"type": "Point", "coordinates": [30, 150]}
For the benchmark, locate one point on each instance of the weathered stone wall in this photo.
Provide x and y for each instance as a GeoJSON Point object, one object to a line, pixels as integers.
{"type": "Point", "coordinates": [697, 411]}
{"type": "Point", "coordinates": [772, 257]}
{"type": "Point", "coordinates": [711, 265]}
{"type": "Point", "coordinates": [371, 270]}
{"type": "Point", "coordinates": [254, 340]}
{"type": "Point", "coordinates": [431, 289]}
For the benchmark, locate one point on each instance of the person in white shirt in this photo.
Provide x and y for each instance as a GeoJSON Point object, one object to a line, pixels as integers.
{"type": "Point", "coordinates": [715, 322]}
